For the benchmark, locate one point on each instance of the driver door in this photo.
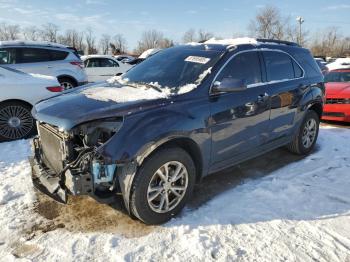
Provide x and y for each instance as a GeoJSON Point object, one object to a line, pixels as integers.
{"type": "Point", "coordinates": [239, 120]}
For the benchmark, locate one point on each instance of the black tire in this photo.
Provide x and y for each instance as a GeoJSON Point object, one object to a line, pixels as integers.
{"type": "Point", "coordinates": [297, 146]}
{"type": "Point", "coordinates": [16, 121]}
{"type": "Point", "coordinates": [139, 204]}
{"type": "Point", "coordinates": [67, 83]}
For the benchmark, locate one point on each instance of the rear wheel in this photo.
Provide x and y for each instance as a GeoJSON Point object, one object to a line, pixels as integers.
{"type": "Point", "coordinates": [305, 140]}
{"type": "Point", "coordinates": [16, 121]}
{"type": "Point", "coordinates": [162, 186]}
{"type": "Point", "coordinates": [67, 83]}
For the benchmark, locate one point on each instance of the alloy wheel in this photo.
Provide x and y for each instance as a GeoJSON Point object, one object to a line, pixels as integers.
{"type": "Point", "coordinates": [167, 187]}
{"type": "Point", "coordinates": [67, 85]}
{"type": "Point", "coordinates": [309, 133]}
{"type": "Point", "coordinates": [15, 122]}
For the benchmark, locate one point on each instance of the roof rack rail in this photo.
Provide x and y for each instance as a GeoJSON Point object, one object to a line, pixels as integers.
{"type": "Point", "coordinates": [277, 41]}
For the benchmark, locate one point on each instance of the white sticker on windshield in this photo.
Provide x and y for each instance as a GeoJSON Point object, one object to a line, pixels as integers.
{"type": "Point", "coordinates": [197, 59]}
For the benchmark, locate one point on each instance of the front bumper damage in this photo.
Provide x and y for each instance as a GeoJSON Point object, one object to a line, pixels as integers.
{"type": "Point", "coordinates": [71, 182]}
{"type": "Point", "coordinates": [57, 186]}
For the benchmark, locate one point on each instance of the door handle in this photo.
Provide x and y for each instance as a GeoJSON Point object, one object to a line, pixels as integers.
{"type": "Point", "coordinates": [263, 97]}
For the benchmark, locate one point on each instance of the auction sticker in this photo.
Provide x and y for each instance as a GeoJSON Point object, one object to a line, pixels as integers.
{"type": "Point", "coordinates": [197, 59]}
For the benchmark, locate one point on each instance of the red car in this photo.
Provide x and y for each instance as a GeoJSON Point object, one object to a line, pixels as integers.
{"type": "Point", "coordinates": [337, 105]}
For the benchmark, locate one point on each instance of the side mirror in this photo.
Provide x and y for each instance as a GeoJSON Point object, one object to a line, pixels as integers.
{"type": "Point", "coordinates": [229, 85]}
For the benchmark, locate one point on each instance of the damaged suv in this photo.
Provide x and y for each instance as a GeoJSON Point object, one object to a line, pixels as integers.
{"type": "Point", "coordinates": [184, 113]}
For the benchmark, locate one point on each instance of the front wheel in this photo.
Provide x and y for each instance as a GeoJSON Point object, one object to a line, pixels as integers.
{"type": "Point", "coordinates": [305, 140]}
{"type": "Point", "coordinates": [162, 186]}
{"type": "Point", "coordinates": [16, 121]}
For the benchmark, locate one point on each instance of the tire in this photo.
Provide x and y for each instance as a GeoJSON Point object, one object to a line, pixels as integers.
{"type": "Point", "coordinates": [299, 145]}
{"type": "Point", "coordinates": [147, 179]}
{"type": "Point", "coordinates": [67, 83]}
{"type": "Point", "coordinates": [16, 121]}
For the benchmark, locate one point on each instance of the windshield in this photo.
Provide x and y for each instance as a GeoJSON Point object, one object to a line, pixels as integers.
{"type": "Point", "coordinates": [173, 68]}
{"type": "Point", "coordinates": [338, 76]}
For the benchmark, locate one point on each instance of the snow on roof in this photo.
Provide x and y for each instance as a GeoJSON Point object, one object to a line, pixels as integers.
{"type": "Point", "coordinates": [232, 41]}
{"type": "Point", "coordinates": [84, 57]}
{"type": "Point", "coordinates": [31, 43]}
{"type": "Point", "coordinates": [149, 52]}
{"type": "Point", "coordinates": [339, 63]}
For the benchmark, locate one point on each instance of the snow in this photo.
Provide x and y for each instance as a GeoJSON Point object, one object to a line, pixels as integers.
{"type": "Point", "coordinates": [232, 41]}
{"type": "Point", "coordinates": [340, 63]}
{"type": "Point", "coordinates": [149, 52]}
{"type": "Point", "coordinates": [122, 94]}
{"type": "Point", "coordinates": [297, 212]}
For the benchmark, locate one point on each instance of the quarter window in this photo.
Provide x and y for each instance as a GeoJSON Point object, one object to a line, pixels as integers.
{"type": "Point", "coordinates": [279, 66]}
{"type": "Point", "coordinates": [57, 55]}
{"type": "Point", "coordinates": [245, 67]}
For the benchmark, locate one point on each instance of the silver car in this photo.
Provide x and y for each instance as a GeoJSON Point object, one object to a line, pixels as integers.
{"type": "Point", "coordinates": [44, 58]}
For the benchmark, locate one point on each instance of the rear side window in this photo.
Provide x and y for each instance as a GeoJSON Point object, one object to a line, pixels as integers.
{"type": "Point", "coordinates": [244, 66]}
{"type": "Point", "coordinates": [8, 56]}
{"type": "Point", "coordinates": [108, 63]}
{"type": "Point", "coordinates": [279, 66]}
{"type": "Point", "coordinates": [57, 55]}
{"type": "Point", "coordinates": [34, 55]}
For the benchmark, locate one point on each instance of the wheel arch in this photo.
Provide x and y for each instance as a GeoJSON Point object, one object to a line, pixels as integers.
{"type": "Point", "coordinates": [317, 107]}
{"type": "Point", "coordinates": [16, 101]}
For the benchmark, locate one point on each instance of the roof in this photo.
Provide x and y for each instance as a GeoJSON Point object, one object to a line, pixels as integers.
{"type": "Point", "coordinates": [97, 56]}
{"type": "Point", "coordinates": [32, 43]}
{"type": "Point", "coordinates": [231, 42]}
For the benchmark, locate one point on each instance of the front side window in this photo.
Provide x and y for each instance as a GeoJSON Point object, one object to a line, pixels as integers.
{"type": "Point", "coordinates": [279, 66]}
{"type": "Point", "coordinates": [245, 67]}
{"type": "Point", "coordinates": [8, 56]}
{"type": "Point", "coordinates": [93, 62]}
{"type": "Point", "coordinates": [34, 55]}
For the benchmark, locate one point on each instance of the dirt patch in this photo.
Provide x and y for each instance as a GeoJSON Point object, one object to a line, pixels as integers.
{"type": "Point", "coordinates": [85, 214]}
{"type": "Point", "coordinates": [22, 250]}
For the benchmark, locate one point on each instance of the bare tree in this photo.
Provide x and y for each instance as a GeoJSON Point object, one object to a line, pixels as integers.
{"type": "Point", "coordinates": [118, 45]}
{"type": "Point", "coordinates": [268, 23]}
{"type": "Point", "coordinates": [49, 32]}
{"type": "Point", "coordinates": [165, 43]}
{"type": "Point", "coordinates": [90, 42]}
{"type": "Point", "coordinates": [150, 39]}
{"type": "Point", "coordinates": [189, 36]}
{"type": "Point", "coordinates": [31, 33]}
{"type": "Point", "coordinates": [204, 35]}
{"type": "Point", "coordinates": [9, 32]}
{"type": "Point", "coordinates": [104, 43]}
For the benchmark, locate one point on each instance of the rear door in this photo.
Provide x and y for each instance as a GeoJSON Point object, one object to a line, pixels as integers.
{"type": "Point", "coordinates": [284, 78]}
{"type": "Point", "coordinates": [100, 69]}
{"type": "Point", "coordinates": [33, 60]}
{"type": "Point", "coordinates": [239, 121]}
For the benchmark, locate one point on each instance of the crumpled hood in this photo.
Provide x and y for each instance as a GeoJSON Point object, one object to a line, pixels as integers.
{"type": "Point", "coordinates": [335, 89]}
{"type": "Point", "coordinates": [96, 102]}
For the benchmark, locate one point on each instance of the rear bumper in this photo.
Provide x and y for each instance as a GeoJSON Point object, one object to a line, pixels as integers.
{"type": "Point", "coordinates": [336, 112]}
{"type": "Point", "coordinates": [57, 186]}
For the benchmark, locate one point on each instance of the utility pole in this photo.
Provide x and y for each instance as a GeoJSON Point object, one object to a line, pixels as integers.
{"type": "Point", "coordinates": [300, 20]}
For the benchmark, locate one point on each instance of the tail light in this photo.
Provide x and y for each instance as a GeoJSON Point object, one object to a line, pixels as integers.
{"type": "Point", "coordinates": [55, 88]}
{"type": "Point", "coordinates": [77, 63]}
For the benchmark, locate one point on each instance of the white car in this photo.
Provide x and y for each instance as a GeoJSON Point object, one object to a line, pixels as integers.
{"type": "Point", "coordinates": [44, 58]}
{"type": "Point", "coordinates": [102, 67]}
{"type": "Point", "coordinates": [19, 91]}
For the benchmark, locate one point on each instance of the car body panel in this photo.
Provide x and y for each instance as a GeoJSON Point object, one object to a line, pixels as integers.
{"type": "Point", "coordinates": [25, 87]}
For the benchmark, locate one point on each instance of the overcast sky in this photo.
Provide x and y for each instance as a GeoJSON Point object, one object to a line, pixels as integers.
{"type": "Point", "coordinates": [130, 17]}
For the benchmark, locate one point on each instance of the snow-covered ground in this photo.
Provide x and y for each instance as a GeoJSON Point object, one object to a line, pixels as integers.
{"type": "Point", "coordinates": [297, 212]}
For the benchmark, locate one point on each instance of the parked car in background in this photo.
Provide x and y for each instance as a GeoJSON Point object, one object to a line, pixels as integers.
{"type": "Point", "coordinates": [102, 67]}
{"type": "Point", "coordinates": [322, 65]}
{"type": "Point", "coordinates": [122, 58]}
{"type": "Point", "coordinates": [18, 93]}
{"type": "Point", "coordinates": [44, 58]}
{"type": "Point", "coordinates": [180, 115]}
{"type": "Point", "coordinates": [337, 107]}
{"type": "Point", "coordinates": [339, 63]}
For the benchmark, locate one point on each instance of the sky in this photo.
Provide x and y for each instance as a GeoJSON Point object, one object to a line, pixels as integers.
{"type": "Point", "coordinates": [224, 18]}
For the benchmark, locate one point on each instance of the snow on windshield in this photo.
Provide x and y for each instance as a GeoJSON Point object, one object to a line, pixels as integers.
{"type": "Point", "coordinates": [129, 93]}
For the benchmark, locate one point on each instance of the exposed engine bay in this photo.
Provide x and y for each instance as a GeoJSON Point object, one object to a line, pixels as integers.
{"type": "Point", "coordinates": [69, 162]}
